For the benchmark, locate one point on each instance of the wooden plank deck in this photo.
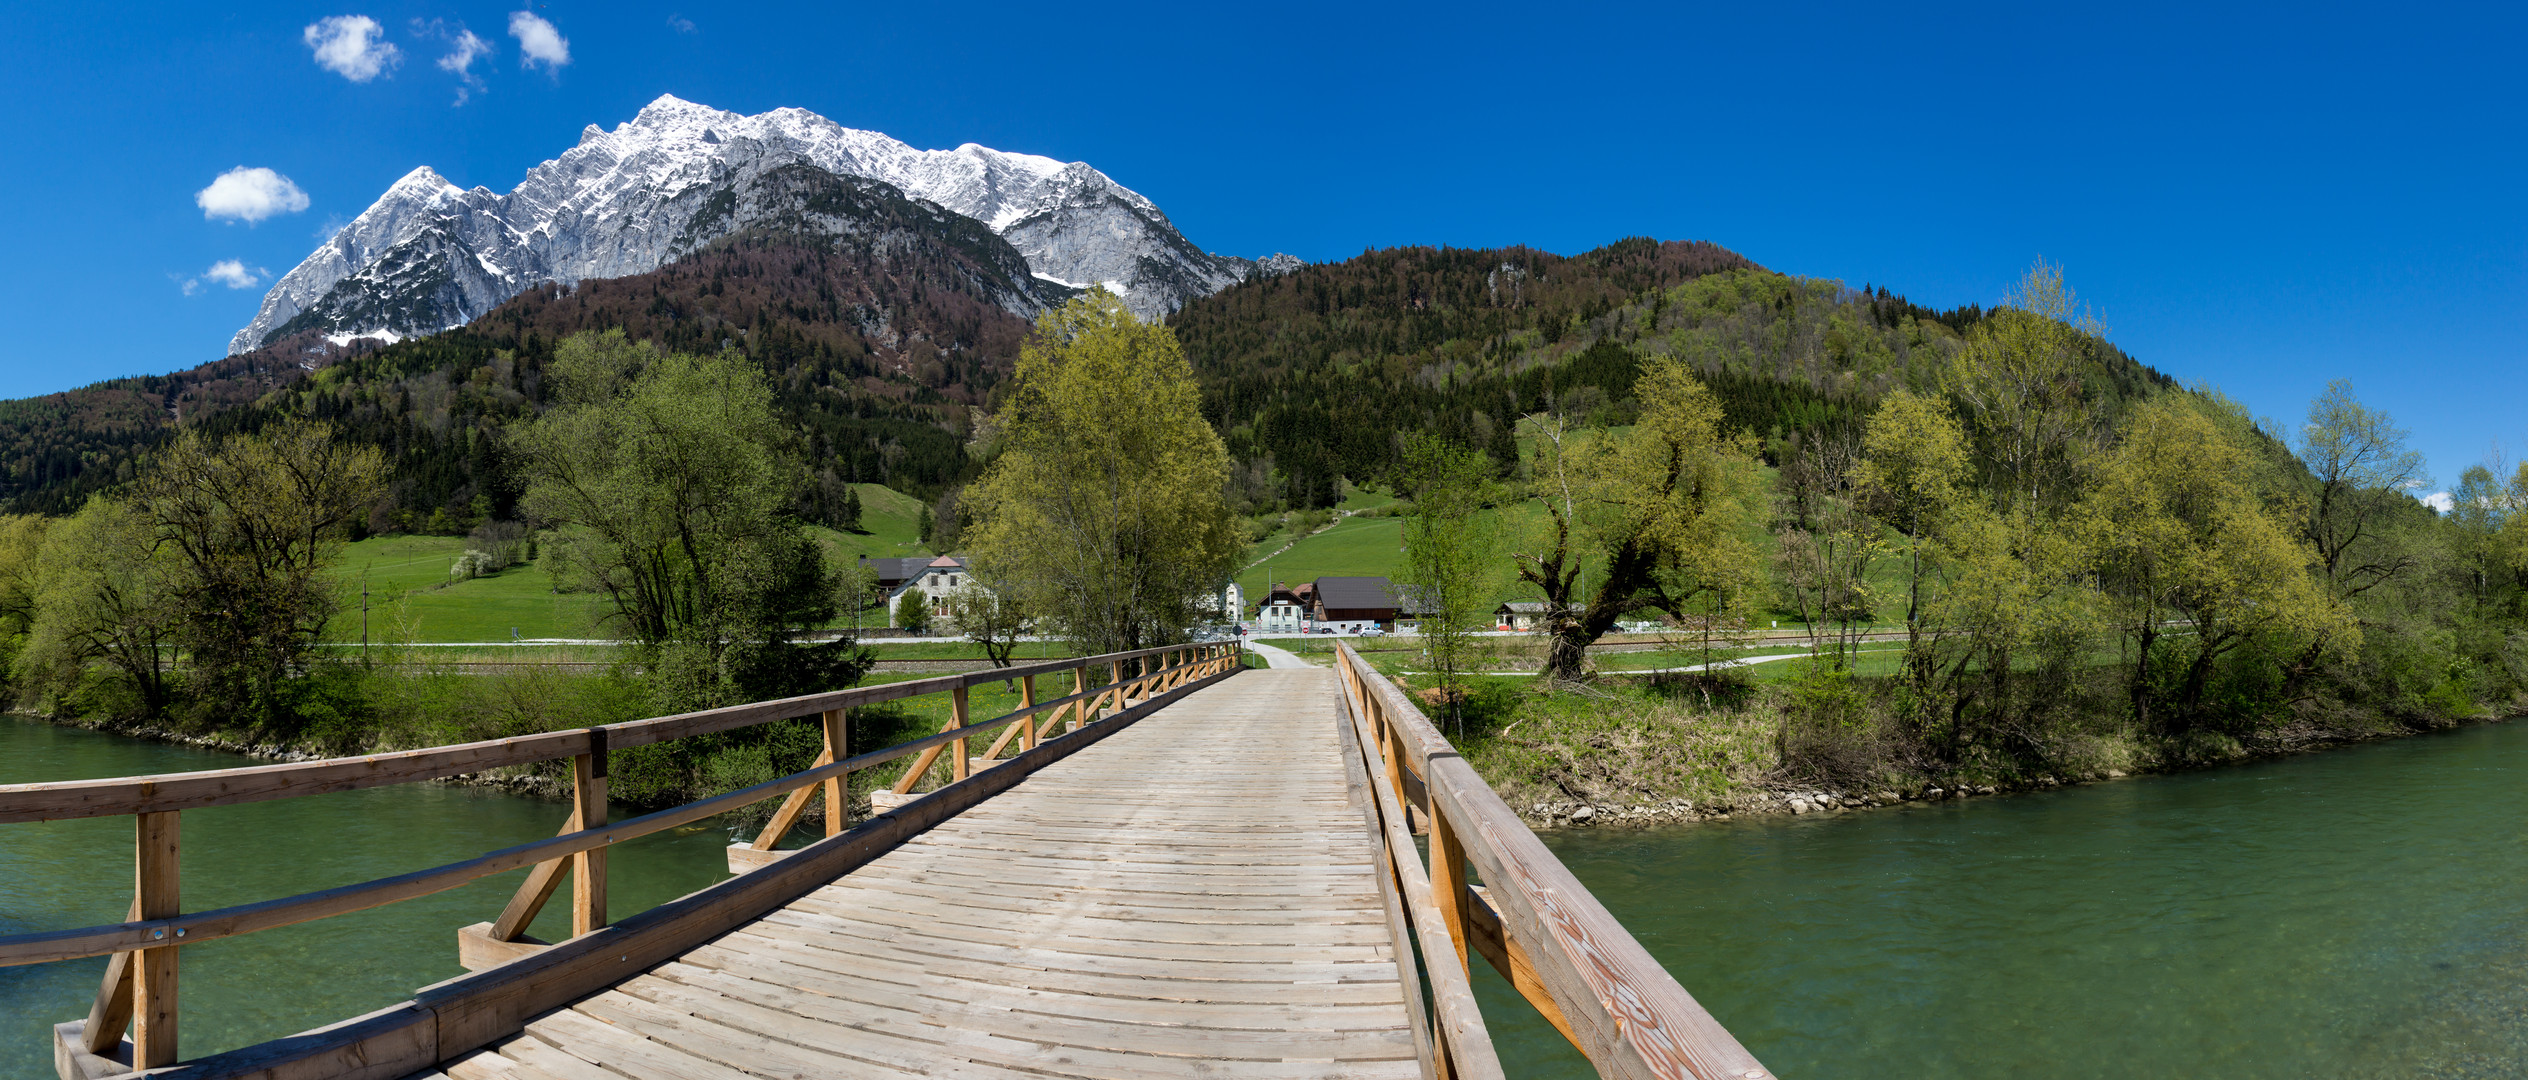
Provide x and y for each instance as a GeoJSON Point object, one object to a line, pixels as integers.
{"type": "Point", "coordinates": [1192, 897]}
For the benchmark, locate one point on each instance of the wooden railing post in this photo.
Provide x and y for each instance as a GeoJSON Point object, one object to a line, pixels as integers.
{"type": "Point", "coordinates": [1079, 686]}
{"type": "Point", "coordinates": [837, 724]}
{"type": "Point", "coordinates": [588, 868]}
{"type": "Point", "coordinates": [1027, 700]}
{"type": "Point", "coordinates": [1448, 878]}
{"type": "Point", "coordinates": [157, 886]}
{"type": "Point", "coordinates": [957, 707]}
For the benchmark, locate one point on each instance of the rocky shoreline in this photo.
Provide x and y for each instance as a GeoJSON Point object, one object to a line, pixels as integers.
{"type": "Point", "coordinates": [1794, 800]}
{"type": "Point", "coordinates": [1786, 802]}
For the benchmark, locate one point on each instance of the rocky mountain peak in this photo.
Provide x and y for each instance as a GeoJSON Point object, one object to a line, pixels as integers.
{"type": "Point", "coordinates": [429, 255]}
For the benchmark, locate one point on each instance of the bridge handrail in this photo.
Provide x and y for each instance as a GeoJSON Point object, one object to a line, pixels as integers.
{"type": "Point", "coordinates": [1533, 920]}
{"type": "Point", "coordinates": [144, 947]}
{"type": "Point", "coordinates": [167, 792]}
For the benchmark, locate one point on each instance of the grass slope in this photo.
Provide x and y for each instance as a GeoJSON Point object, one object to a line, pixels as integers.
{"type": "Point", "coordinates": [411, 597]}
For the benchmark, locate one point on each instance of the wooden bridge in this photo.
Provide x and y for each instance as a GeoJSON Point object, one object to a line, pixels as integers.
{"type": "Point", "coordinates": [1178, 869]}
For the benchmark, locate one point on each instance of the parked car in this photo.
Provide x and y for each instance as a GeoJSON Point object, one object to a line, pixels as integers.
{"type": "Point", "coordinates": [1372, 631]}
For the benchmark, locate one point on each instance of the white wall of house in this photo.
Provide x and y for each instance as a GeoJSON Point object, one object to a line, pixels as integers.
{"type": "Point", "coordinates": [938, 583]}
{"type": "Point", "coordinates": [1279, 618]}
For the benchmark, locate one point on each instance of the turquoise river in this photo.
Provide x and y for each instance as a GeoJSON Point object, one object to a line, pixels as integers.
{"type": "Point", "coordinates": [2356, 913]}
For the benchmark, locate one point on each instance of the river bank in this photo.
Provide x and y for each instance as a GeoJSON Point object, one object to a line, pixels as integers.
{"type": "Point", "coordinates": [1645, 752]}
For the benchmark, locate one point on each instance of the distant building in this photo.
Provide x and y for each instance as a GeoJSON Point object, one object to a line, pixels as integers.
{"type": "Point", "coordinates": [1281, 612]}
{"type": "Point", "coordinates": [1353, 602]}
{"type": "Point", "coordinates": [1519, 615]}
{"type": "Point", "coordinates": [938, 578]}
{"type": "Point", "coordinates": [893, 573]}
{"type": "Point", "coordinates": [1411, 609]}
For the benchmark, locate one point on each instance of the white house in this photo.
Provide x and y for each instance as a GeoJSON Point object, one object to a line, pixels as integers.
{"type": "Point", "coordinates": [1232, 602]}
{"type": "Point", "coordinates": [1282, 612]}
{"type": "Point", "coordinates": [942, 578]}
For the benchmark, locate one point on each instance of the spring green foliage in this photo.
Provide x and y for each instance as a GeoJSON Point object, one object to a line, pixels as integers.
{"type": "Point", "coordinates": [669, 473]}
{"type": "Point", "coordinates": [105, 593]}
{"type": "Point", "coordinates": [1104, 513]}
{"type": "Point", "coordinates": [1451, 562]}
{"type": "Point", "coordinates": [1663, 510]}
{"type": "Point", "coordinates": [912, 611]}
{"type": "Point", "coordinates": [1913, 469]}
{"type": "Point", "coordinates": [2361, 473]}
{"type": "Point", "coordinates": [251, 522]}
{"type": "Point", "coordinates": [2180, 540]}
{"type": "Point", "coordinates": [983, 617]}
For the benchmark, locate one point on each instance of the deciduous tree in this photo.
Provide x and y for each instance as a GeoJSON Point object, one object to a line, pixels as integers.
{"type": "Point", "coordinates": [2360, 464]}
{"type": "Point", "coordinates": [1451, 560]}
{"type": "Point", "coordinates": [253, 521]}
{"type": "Point", "coordinates": [106, 593]}
{"type": "Point", "coordinates": [1106, 512]}
{"type": "Point", "coordinates": [2176, 532]}
{"type": "Point", "coordinates": [1664, 511]}
{"type": "Point", "coordinates": [668, 473]}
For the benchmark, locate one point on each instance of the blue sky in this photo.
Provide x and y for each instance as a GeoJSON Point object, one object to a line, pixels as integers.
{"type": "Point", "coordinates": [2261, 198]}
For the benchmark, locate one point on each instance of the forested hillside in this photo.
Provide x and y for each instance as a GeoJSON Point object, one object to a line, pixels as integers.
{"type": "Point", "coordinates": [885, 349]}
{"type": "Point", "coordinates": [1316, 375]}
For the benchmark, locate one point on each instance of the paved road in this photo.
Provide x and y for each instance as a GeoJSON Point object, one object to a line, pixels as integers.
{"type": "Point", "coordinates": [1277, 657]}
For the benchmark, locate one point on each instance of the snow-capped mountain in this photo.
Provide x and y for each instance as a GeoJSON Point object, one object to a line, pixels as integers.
{"type": "Point", "coordinates": [429, 255]}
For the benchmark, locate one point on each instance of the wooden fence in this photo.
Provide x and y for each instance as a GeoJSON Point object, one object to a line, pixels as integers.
{"type": "Point", "coordinates": [1530, 918]}
{"type": "Point", "coordinates": [140, 986]}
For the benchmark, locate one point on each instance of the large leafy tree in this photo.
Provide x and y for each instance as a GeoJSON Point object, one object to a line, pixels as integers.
{"type": "Point", "coordinates": [2363, 474]}
{"type": "Point", "coordinates": [2023, 377]}
{"type": "Point", "coordinates": [667, 476]}
{"type": "Point", "coordinates": [2178, 533]}
{"type": "Point", "coordinates": [253, 521]}
{"type": "Point", "coordinates": [1912, 475]}
{"type": "Point", "coordinates": [105, 594]}
{"type": "Point", "coordinates": [1663, 511]}
{"type": "Point", "coordinates": [1105, 513]}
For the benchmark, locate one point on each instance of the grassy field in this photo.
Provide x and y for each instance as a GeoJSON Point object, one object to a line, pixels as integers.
{"type": "Point", "coordinates": [890, 523]}
{"type": "Point", "coordinates": [412, 598]}
{"type": "Point", "coordinates": [1354, 545]}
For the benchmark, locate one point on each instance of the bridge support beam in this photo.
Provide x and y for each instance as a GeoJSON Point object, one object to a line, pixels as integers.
{"type": "Point", "coordinates": [156, 840]}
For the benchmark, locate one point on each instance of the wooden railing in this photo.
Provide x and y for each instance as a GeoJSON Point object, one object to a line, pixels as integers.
{"type": "Point", "coordinates": [140, 986]}
{"type": "Point", "coordinates": [1530, 918]}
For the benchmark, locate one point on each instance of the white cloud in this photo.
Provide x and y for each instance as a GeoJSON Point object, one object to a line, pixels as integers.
{"type": "Point", "coordinates": [348, 45]}
{"type": "Point", "coordinates": [538, 41]}
{"type": "Point", "coordinates": [680, 24]}
{"type": "Point", "coordinates": [233, 273]}
{"type": "Point", "coordinates": [464, 47]}
{"type": "Point", "coordinates": [2440, 500]}
{"type": "Point", "coordinates": [250, 195]}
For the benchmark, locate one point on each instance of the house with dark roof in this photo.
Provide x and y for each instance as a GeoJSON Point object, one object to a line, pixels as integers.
{"type": "Point", "coordinates": [893, 573]}
{"type": "Point", "coordinates": [1353, 602]}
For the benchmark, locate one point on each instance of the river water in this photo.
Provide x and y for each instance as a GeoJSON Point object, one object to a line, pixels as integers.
{"type": "Point", "coordinates": [63, 874]}
{"type": "Point", "coordinates": [2356, 913]}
